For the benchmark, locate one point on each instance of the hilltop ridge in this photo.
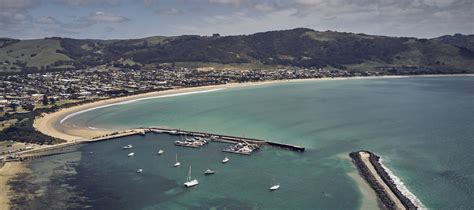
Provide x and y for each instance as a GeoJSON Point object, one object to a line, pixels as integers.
{"type": "Point", "coordinates": [299, 47]}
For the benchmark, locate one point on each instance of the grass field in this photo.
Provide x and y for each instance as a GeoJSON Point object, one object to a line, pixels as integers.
{"type": "Point", "coordinates": [34, 53]}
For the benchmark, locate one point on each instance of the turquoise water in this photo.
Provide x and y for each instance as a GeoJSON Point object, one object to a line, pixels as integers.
{"type": "Point", "coordinates": [422, 127]}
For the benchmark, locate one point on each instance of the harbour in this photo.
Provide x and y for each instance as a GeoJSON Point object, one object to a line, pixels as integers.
{"type": "Point", "coordinates": [241, 145]}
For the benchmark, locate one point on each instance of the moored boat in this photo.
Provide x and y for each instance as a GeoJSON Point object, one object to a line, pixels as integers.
{"type": "Point", "coordinates": [209, 172]}
{"type": "Point", "coordinates": [191, 182]}
{"type": "Point", "coordinates": [177, 162]}
{"type": "Point", "coordinates": [275, 187]}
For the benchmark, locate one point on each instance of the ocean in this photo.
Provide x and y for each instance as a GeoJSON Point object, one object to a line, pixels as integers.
{"type": "Point", "coordinates": [422, 127]}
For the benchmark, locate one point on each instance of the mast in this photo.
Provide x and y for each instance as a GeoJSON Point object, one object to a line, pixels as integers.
{"type": "Point", "coordinates": [189, 175]}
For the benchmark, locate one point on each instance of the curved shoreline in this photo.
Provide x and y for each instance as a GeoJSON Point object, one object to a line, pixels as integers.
{"type": "Point", "coordinates": [53, 124]}
{"type": "Point", "coordinates": [50, 123]}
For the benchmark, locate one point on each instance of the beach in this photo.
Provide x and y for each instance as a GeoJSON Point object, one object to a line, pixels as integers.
{"type": "Point", "coordinates": [56, 124]}
{"type": "Point", "coordinates": [53, 124]}
{"type": "Point", "coordinates": [7, 172]}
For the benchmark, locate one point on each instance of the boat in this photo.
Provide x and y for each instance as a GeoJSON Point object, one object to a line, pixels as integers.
{"type": "Point", "coordinates": [160, 152]}
{"type": "Point", "coordinates": [209, 172]}
{"type": "Point", "coordinates": [226, 159]}
{"type": "Point", "coordinates": [131, 154]}
{"type": "Point", "coordinates": [127, 146]}
{"type": "Point", "coordinates": [177, 163]}
{"type": "Point", "coordinates": [275, 187]}
{"type": "Point", "coordinates": [191, 183]}
{"type": "Point", "coordinates": [139, 171]}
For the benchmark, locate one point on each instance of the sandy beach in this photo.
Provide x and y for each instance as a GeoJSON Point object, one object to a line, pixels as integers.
{"type": "Point", "coordinates": [8, 171]}
{"type": "Point", "coordinates": [52, 123]}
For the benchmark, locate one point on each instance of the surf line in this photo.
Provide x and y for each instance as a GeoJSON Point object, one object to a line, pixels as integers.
{"type": "Point", "coordinates": [135, 100]}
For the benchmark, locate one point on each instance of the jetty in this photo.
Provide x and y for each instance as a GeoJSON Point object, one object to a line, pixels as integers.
{"type": "Point", "coordinates": [242, 145]}
{"type": "Point", "coordinates": [245, 142]}
{"type": "Point", "coordinates": [370, 168]}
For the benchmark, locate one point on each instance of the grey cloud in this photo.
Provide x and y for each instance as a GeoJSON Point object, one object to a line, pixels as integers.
{"type": "Point", "coordinates": [169, 11]}
{"type": "Point", "coordinates": [102, 17]}
{"type": "Point", "coordinates": [234, 2]}
{"type": "Point", "coordinates": [89, 2]}
{"type": "Point", "coordinates": [14, 15]}
{"type": "Point", "coordinates": [17, 5]}
{"type": "Point", "coordinates": [47, 20]}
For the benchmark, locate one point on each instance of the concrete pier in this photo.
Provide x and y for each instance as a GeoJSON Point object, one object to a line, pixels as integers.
{"type": "Point", "coordinates": [226, 138]}
{"type": "Point", "coordinates": [31, 154]}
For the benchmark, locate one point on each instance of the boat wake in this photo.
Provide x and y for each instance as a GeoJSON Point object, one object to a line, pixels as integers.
{"type": "Point", "coordinates": [403, 188]}
{"type": "Point", "coordinates": [135, 100]}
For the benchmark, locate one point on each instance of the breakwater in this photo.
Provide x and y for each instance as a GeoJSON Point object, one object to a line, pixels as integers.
{"type": "Point", "coordinates": [33, 153]}
{"type": "Point", "coordinates": [225, 138]}
{"type": "Point", "coordinates": [374, 173]}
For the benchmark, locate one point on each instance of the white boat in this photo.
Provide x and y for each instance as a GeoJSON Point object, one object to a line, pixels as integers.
{"type": "Point", "coordinates": [191, 183]}
{"type": "Point", "coordinates": [139, 171]}
{"type": "Point", "coordinates": [275, 187]}
{"type": "Point", "coordinates": [127, 146]}
{"type": "Point", "coordinates": [177, 162]}
{"type": "Point", "coordinates": [160, 152]}
{"type": "Point", "coordinates": [226, 159]}
{"type": "Point", "coordinates": [131, 154]}
{"type": "Point", "coordinates": [209, 172]}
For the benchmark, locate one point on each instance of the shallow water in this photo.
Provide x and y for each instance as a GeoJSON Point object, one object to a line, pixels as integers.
{"type": "Point", "coordinates": [422, 127]}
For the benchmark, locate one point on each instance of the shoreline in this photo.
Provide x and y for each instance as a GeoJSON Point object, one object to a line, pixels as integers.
{"type": "Point", "coordinates": [8, 171]}
{"type": "Point", "coordinates": [55, 124]}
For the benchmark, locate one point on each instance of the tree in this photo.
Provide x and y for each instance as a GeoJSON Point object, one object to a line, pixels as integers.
{"type": "Point", "coordinates": [45, 100]}
{"type": "Point", "coordinates": [52, 101]}
{"type": "Point", "coordinates": [28, 107]}
{"type": "Point", "coordinates": [14, 106]}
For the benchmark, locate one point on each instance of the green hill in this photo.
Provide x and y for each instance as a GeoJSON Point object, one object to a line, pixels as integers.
{"type": "Point", "coordinates": [297, 47]}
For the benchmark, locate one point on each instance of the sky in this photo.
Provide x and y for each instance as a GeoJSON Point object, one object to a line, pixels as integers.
{"type": "Point", "coordinates": [120, 19]}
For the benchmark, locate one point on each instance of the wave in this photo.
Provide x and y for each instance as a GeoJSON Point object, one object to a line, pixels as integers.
{"type": "Point", "coordinates": [135, 100]}
{"type": "Point", "coordinates": [403, 188]}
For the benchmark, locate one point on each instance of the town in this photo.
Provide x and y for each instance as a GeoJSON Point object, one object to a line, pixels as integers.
{"type": "Point", "coordinates": [25, 92]}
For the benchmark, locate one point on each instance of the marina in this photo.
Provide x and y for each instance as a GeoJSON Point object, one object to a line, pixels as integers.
{"type": "Point", "coordinates": [242, 145]}
{"type": "Point", "coordinates": [192, 139]}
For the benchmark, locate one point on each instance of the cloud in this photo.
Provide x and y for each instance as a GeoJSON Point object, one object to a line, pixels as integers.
{"type": "Point", "coordinates": [169, 11]}
{"type": "Point", "coordinates": [102, 17]}
{"type": "Point", "coordinates": [14, 15]}
{"type": "Point", "coordinates": [17, 5]}
{"type": "Point", "coordinates": [89, 2]}
{"type": "Point", "coordinates": [47, 20]}
{"type": "Point", "coordinates": [234, 2]}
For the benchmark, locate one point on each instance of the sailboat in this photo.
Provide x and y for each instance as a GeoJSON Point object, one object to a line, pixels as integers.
{"type": "Point", "coordinates": [191, 183]}
{"type": "Point", "coordinates": [177, 163]}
